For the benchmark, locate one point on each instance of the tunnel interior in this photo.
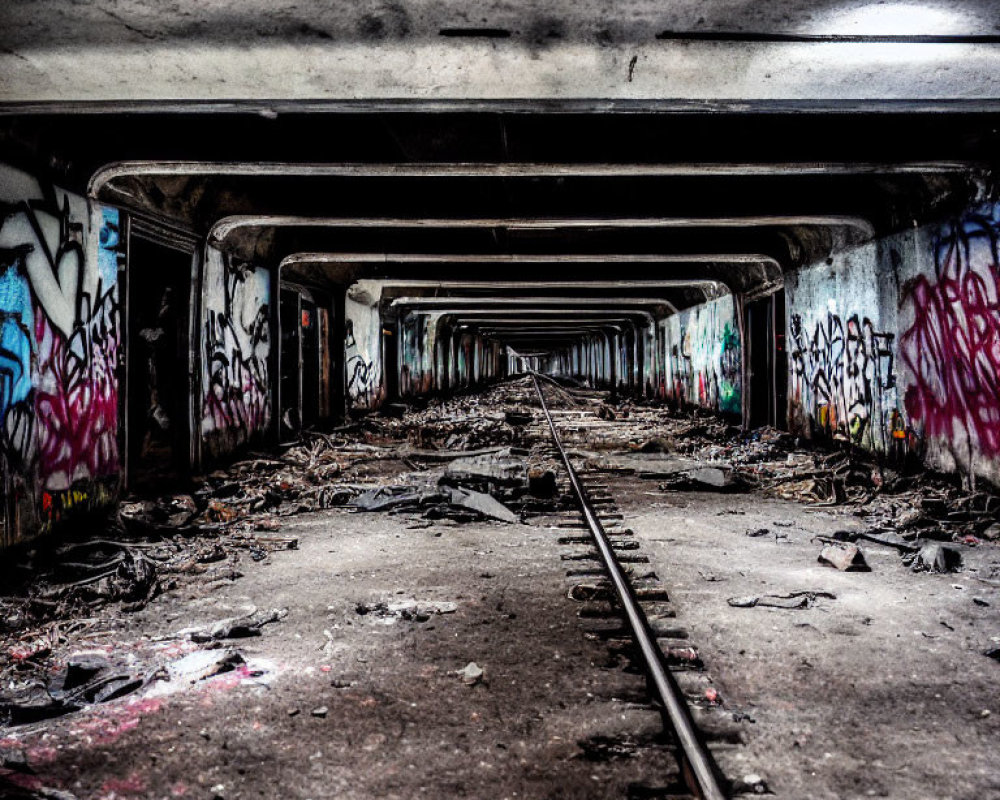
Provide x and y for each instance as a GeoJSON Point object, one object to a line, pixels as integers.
{"type": "Point", "coordinates": [323, 265]}
{"type": "Point", "coordinates": [432, 400]}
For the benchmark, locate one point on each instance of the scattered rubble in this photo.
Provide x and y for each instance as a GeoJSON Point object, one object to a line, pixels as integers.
{"type": "Point", "coordinates": [465, 459]}
{"type": "Point", "coordinates": [708, 479]}
{"type": "Point", "coordinates": [235, 628]}
{"type": "Point", "coordinates": [410, 610]}
{"type": "Point", "coordinates": [935, 558]}
{"type": "Point", "coordinates": [845, 557]}
{"type": "Point", "coordinates": [788, 601]}
{"type": "Point", "coordinates": [92, 678]}
{"type": "Point", "coordinates": [439, 502]}
{"type": "Point", "coordinates": [471, 674]}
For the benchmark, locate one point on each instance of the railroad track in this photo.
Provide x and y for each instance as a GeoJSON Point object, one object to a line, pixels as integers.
{"type": "Point", "coordinates": [616, 584]}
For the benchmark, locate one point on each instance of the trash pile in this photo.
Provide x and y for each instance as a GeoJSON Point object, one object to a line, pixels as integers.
{"type": "Point", "coordinates": [60, 578]}
{"type": "Point", "coordinates": [440, 502]}
{"type": "Point", "coordinates": [917, 505]}
{"type": "Point", "coordinates": [459, 423]}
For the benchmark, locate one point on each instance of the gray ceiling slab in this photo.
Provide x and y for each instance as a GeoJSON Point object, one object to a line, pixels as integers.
{"type": "Point", "coordinates": [735, 51]}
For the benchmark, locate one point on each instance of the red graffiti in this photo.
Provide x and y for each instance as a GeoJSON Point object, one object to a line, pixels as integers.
{"type": "Point", "coordinates": [953, 346]}
{"type": "Point", "coordinates": [76, 406]}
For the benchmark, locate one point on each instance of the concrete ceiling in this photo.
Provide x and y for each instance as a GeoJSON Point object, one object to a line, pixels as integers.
{"type": "Point", "coordinates": [691, 147]}
{"type": "Point", "coordinates": [278, 54]}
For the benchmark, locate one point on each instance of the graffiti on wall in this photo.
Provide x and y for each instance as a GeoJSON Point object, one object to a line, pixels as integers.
{"type": "Point", "coordinates": [59, 342]}
{"type": "Point", "coordinates": [840, 373]}
{"type": "Point", "coordinates": [362, 377]}
{"type": "Point", "coordinates": [237, 401]}
{"type": "Point", "coordinates": [952, 348]}
{"type": "Point", "coordinates": [703, 364]}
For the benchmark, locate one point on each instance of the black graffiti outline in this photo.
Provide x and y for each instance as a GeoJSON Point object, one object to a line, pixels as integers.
{"type": "Point", "coordinates": [227, 366]}
{"type": "Point", "coordinates": [849, 368]}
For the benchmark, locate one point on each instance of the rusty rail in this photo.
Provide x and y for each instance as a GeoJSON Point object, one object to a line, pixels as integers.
{"type": "Point", "coordinates": [699, 768]}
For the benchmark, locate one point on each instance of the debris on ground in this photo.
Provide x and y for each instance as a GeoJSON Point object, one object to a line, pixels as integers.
{"type": "Point", "coordinates": [541, 482]}
{"type": "Point", "coordinates": [788, 601]}
{"type": "Point", "coordinates": [235, 628]}
{"type": "Point", "coordinates": [471, 674]}
{"type": "Point", "coordinates": [518, 417]}
{"type": "Point", "coordinates": [720, 478]}
{"type": "Point", "coordinates": [751, 784]}
{"type": "Point", "coordinates": [452, 502]}
{"type": "Point", "coordinates": [503, 469]}
{"type": "Point", "coordinates": [91, 678]}
{"type": "Point", "coordinates": [467, 458]}
{"type": "Point", "coordinates": [203, 664]}
{"type": "Point", "coordinates": [935, 558]}
{"type": "Point", "coordinates": [658, 444]}
{"type": "Point", "coordinates": [410, 610]}
{"type": "Point", "coordinates": [845, 557]}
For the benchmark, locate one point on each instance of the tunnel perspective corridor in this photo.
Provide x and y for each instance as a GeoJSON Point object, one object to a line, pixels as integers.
{"type": "Point", "coordinates": [363, 365]}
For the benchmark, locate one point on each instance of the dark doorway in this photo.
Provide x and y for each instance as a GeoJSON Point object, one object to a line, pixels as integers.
{"type": "Point", "coordinates": [306, 360]}
{"type": "Point", "coordinates": [158, 387]}
{"type": "Point", "coordinates": [291, 361]}
{"type": "Point", "coordinates": [767, 361]}
{"type": "Point", "coordinates": [325, 363]}
{"type": "Point", "coordinates": [309, 322]}
{"type": "Point", "coordinates": [390, 363]}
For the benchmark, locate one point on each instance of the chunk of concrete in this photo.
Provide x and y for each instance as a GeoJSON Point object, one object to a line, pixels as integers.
{"type": "Point", "coordinates": [472, 674]}
{"type": "Point", "coordinates": [845, 557]}
{"type": "Point", "coordinates": [504, 468]}
{"type": "Point", "coordinates": [481, 503]}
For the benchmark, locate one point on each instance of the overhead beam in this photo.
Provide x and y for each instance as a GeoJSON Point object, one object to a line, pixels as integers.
{"type": "Point", "coordinates": [661, 283]}
{"type": "Point", "coordinates": [528, 258]}
{"type": "Point", "coordinates": [143, 168]}
{"type": "Point", "coordinates": [479, 302]}
{"type": "Point", "coordinates": [228, 225]}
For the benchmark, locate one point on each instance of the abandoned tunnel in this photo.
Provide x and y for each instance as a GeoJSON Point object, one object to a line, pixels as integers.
{"type": "Point", "coordinates": [339, 342]}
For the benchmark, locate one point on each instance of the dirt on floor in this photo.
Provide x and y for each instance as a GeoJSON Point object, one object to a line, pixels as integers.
{"type": "Point", "coordinates": [881, 689]}
{"type": "Point", "coordinates": [263, 636]}
{"type": "Point", "coordinates": [365, 688]}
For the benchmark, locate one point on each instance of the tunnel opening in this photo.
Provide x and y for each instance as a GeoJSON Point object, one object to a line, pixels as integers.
{"type": "Point", "coordinates": [767, 363]}
{"type": "Point", "coordinates": [306, 386]}
{"type": "Point", "coordinates": [157, 410]}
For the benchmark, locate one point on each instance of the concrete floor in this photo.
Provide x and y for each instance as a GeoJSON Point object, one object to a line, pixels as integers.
{"type": "Point", "coordinates": [882, 690]}
{"type": "Point", "coordinates": [399, 722]}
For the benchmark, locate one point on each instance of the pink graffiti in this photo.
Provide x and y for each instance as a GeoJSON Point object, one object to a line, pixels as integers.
{"type": "Point", "coordinates": [247, 410]}
{"type": "Point", "coordinates": [953, 346]}
{"type": "Point", "coordinates": [76, 405]}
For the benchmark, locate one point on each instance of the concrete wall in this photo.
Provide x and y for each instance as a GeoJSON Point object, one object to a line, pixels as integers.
{"type": "Point", "coordinates": [363, 346]}
{"type": "Point", "coordinates": [702, 356]}
{"type": "Point", "coordinates": [616, 359]}
{"type": "Point", "coordinates": [895, 345]}
{"type": "Point", "coordinates": [235, 353]}
{"type": "Point", "coordinates": [949, 343]}
{"type": "Point", "coordinates": [419, 371]}
{"type": "Point", "coordinates": [59, 347]}
{"type": "Point", "coordinates": [841, 330]}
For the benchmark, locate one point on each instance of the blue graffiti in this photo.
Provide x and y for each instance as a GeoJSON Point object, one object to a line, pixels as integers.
{"type": "Point", "coordinates": [107, 254]}
{"type": "Point", "coordinates": [16, 326]}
